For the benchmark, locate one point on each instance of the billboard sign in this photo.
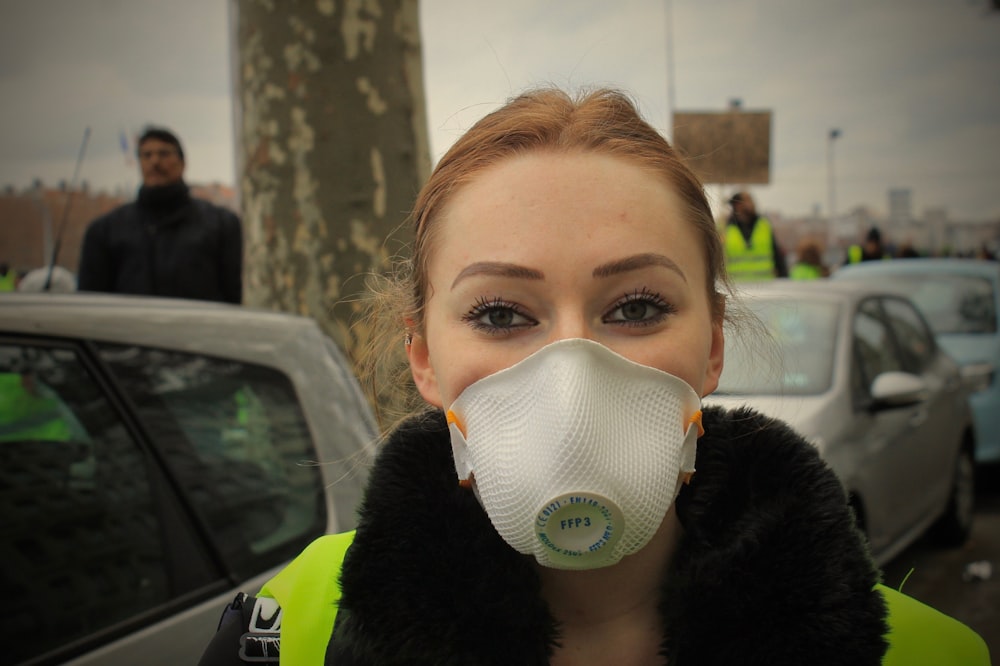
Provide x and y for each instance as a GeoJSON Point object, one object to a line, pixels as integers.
{"type": "Point", "coordinates": [727, 147]}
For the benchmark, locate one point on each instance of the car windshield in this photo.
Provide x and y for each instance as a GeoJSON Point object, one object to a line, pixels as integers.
{"type": "Point", "coordinates": [952, 303]}
{"type": "Point", "coordinates": [797, 358]}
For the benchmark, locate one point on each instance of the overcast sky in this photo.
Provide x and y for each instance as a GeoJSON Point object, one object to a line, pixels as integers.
{"type": "Point", "coordinates": [913, 85]}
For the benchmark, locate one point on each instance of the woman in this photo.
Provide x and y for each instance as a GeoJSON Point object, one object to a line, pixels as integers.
{"type": "Point", "coordinates": [562, 316]}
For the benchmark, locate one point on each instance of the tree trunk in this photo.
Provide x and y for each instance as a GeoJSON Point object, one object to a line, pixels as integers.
{"type": "Point", "coordinates": [331, 143]}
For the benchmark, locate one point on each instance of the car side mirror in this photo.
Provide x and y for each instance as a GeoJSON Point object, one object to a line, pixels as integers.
{"type": "Point", "coordinates": [897, 389]}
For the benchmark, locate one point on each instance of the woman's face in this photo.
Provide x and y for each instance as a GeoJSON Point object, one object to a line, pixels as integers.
{"type": "Point", "coordinates": [543, 247]}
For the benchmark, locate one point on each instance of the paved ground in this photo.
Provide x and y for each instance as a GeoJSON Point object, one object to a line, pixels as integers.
{"type": "Point", "coordinates": [937, 575]}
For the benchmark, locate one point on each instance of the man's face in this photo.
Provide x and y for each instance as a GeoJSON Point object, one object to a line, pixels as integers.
{"type": "Point", "coordinates": [744, 209]}
{"type": "Point", "coordinates": [160, 162]}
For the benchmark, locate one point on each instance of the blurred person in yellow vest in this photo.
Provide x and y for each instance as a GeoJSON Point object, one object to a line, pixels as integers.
{"type": "Point", "coordinates": [8, 277]}
{"type": "Point", "coordinates": [28, 411]}
{"type": "Point", "coordinates": [752, 250]}
{"type": "Point", "coordinates": [809, 262]}
{"type": "Point", "coordinates": [871, 250]}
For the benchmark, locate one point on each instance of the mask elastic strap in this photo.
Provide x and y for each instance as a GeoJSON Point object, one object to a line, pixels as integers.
{"type": "Point", "coordinates": [453, 421]}
{"type": "Point", "coordinates": [696, 419]}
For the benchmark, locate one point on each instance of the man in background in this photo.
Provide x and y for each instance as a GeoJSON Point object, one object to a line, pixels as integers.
{"type": "Point", "coordinates": [166, 242]}
{"type": "Point", "coordinates": [870, 250]}
{"type": "Point", "coordinates": [752, 251]}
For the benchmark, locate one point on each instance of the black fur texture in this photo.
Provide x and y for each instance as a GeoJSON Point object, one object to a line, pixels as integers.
{"type": "Point", "coordinates": [770, 568]}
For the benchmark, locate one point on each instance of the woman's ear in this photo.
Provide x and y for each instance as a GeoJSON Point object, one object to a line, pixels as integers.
{"type": "Point", "coordinates": [421, 368]}
{"type": "Point", "coordinates": [715, 360]}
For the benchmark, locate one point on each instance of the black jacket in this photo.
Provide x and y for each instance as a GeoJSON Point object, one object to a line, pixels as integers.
{"type": "Point", "coordinates": [770, 568]}
{"type": "Point", "coordinates": [166, 243]}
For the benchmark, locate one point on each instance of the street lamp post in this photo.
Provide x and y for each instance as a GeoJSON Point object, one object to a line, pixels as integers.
{"type": "Point", "coordinates": [668, 10]}
{"type": "Point", "coordinates": [831, 185]}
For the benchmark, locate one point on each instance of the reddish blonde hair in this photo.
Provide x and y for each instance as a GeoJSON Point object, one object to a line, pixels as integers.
{"type": "Point", "coordinates": [602, 121]}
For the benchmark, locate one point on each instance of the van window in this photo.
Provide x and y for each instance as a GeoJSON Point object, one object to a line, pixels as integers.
{"type": "Point", "coordinates": [81, 537]}
{"type": "Point", "coordinates": [235, 436]}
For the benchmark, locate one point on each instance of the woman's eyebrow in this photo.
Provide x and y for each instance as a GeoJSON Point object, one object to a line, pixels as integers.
{"type": "Point", "coordinates": [498, 269]}
{"type": "Point", "coordinates": [635, 262]}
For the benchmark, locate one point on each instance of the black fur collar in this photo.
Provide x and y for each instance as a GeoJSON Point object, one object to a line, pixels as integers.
{"type": "Point", "coordinates": [770, 569]}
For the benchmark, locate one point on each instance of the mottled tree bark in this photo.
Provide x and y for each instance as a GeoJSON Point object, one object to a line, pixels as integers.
{"type": "Point", "coordinates": [331, 142]}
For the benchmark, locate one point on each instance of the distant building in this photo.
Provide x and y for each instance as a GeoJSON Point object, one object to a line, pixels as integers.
{"type": "Point", "coordinates": [903, 228]}
{"type": "Point", "coordinates": [936, 225]}
{"type": "Point", "coordinates": [217, 193]}
{"type": "Point", "coordinates": [30, 220]}
{"type": "Point", "coordinates": [900, 206]}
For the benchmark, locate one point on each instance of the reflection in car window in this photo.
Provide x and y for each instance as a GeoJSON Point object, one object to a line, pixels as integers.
{"type": "Point", "coordinates": [953, 303]}
{"type": "Point", "coordinates": [805, 334]}
{"type": "Point", "coordinates": [239, 444]}
{"type": "Point", "coordinates": [80, 538]}
{"type": "Point", "coordinates": [915, 341]}
{"type": "Point", "coordinates": [873, 345]}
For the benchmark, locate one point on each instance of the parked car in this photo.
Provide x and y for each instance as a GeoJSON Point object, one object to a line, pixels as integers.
{"type": "Point", "coordinates": [156, 457]}
{"type": "Point", "coordinates": [856, 371]}
{"type": "Point", "coordinates": [959, 298]}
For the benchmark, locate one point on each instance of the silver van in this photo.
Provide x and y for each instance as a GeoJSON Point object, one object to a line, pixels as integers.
{"type": "Point", "coordinates": [156, 457]}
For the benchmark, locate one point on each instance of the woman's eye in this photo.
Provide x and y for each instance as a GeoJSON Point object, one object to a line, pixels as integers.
{"type": "Point", "coordinates": [634, 310]}
{"type": "Point", "coordinates": [641, 308]}
{"type": "Point", "coordinates": [497, 316]}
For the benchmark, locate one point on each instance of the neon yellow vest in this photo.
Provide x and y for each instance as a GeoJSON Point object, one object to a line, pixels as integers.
{"type": "Point", "coordinates": [25, 415]}
{"type": "Point", "coordinates": [308, 592]}
{"type": "Point", "coordinates": [805, 272]}
{"type": "Point", "coordinates": [855, 254]}
{"type": "Point", "coordinates": [7, 280]}
{"type": "Point", "coordinates": [754, 261]}
{"type": "Point", "coordinates": [919, 635]}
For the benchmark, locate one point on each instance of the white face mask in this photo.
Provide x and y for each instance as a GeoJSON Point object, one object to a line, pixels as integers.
{"type": "Point", "coordinates": [576, 452]}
